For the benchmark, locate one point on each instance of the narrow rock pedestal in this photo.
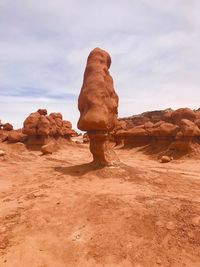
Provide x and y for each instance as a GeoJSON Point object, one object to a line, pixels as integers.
{"type": "Point", "coordinates": [101, 149]}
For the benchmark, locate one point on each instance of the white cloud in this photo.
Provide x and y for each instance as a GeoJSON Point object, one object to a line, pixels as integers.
{"type": "Point", "coordinates": [44, 46]}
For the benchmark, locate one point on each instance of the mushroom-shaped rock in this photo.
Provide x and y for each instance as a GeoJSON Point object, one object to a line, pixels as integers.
{"type": "Point", "coordinates": [98, 106]}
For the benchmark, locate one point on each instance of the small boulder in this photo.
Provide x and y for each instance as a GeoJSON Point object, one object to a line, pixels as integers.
{"type": "Point", "coordinates": [48, 149]}
{"type": "Point", "coordinates": [165, 159]}
{"type": "Point", "coordinates": [2, 153]}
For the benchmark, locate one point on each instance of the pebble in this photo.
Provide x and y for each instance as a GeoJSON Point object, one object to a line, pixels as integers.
{"type": "Point", "coordinates": [170, 226]}
{"type": "Point", "coordinates": [2, 153]}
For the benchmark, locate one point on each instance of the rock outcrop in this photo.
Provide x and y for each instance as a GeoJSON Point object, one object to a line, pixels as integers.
{"type": "Point", "coordinates": [9, 134]}
{"type": "Point", "coordinates": [98, 106]}
{"type": "Point", "coordinates": [175, 131]}
{"type": "Point", "coordinates": [16, 136]}
{"type": "Point", "coordinates": [7, 127]}
{"type": "Point", "coordinates": [42, 128]}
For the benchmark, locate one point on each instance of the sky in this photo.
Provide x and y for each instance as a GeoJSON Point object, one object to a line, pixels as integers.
{"type": "Point", "coordinates": [154, 45]}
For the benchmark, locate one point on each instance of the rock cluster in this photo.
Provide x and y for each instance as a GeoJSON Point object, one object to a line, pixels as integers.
{"type": "Point", "coordinates": [7, 133]}
{"type": "Point", "coordinates": [7, 127]}
{"type": "Point", "coordinates": [176, 130]}
{"type": "Point", "coordinates": [40, 127]}
{"type": "Point", "coordinates": [98, 106]}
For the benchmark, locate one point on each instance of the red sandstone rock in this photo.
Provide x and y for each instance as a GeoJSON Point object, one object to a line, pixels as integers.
{"type": "Point", "coordinates": [15, 136]}
{"type": "Point", "coordinates": [31, 123]}
{"type": "Point", "coordinates": [7, 127]}
{"type": "Point", "coordinates": [98, 104]}
{"type": "Point", "coordinates": [148, 125]}
{"type": "Point", "coordinates": [175, 130]}
{"type": "Point", "coordinates": [2, 153]}
{"type": "Point", "coordinates": [3, 135]}
{"type": "Point", "coordinates": [163, 129]}
{"type": "Point", "coordinates": [189, 128]}
{"type": "Point", "coordinates": [58, 121]}
{"type": "Point", "coordinates": [197, 122]}
{"type": "Point", "coordinates": [181, 145]}
{"type": "Point", "coordinates": [98, 101]}
{"type": "Point", "coordinates": [67, 128]}
{"type": "Point", "coordinates": [136, 131]}
{"type": "Point", "coordinates": [42, 111]}
{"type": "Point", "coordinates": [183, 113]}
{"type": "Point", "coordinates": [52, 126]}
{"type": "Point", "coordinates": [86, 138]}
{"type": "Point", "coordinates": [43, 126]}
{"type": "Point", "coordinates": [101, 149]}
{"type": "Point", "coordinates": [167, 116]}
{"type": "Point", "coordinates": [48, 148]}
{"type": "Point", "coordinates": [165, 159]}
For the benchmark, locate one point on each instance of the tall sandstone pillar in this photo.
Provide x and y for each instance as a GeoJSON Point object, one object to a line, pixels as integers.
{"type": "Point", "coordinates": [98, 106]}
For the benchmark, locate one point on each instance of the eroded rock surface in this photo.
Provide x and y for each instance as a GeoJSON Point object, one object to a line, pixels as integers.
{"type": "Point", "coordinates": [165, 130]}
{"type": "Point", "coordinates": [98, 106]}
{"type": "Point", "coordinates": [42, 129]}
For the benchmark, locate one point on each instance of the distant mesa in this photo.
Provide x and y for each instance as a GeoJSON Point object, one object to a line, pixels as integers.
{"type": "Point", "coordinates": [98, 106]}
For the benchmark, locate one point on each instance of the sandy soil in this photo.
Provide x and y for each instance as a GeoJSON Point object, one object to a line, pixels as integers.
{"type": "Point", "coordinates": [57, 211]}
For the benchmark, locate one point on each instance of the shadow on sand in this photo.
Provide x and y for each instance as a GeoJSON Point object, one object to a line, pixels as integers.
{"type": "Point", "coordinates": [78, 170]}
{"type": "Point", "coordinates": [121, 171]}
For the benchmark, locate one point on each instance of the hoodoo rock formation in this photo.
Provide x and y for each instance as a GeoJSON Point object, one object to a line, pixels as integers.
{"type": "Point", "coordinates": [174, 132]}
{"type": "Point", "coordinates": [98, 106]}
{"type": "Point", "coordinates": [42, 128]}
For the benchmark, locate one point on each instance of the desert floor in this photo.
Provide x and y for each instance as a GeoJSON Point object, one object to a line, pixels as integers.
{"type": "Point", "coordinates": [58, 211]}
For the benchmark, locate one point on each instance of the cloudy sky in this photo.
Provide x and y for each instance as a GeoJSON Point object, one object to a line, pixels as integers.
{"type": "Point", "coordinates": [154, 44]}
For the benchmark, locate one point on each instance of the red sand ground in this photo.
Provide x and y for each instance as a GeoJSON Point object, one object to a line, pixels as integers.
{"type": "Point", "coordinates": [56, 211]}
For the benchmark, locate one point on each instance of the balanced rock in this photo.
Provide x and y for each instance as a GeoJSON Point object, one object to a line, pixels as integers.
{"type": "Point", "coordinates": [98, 106]}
